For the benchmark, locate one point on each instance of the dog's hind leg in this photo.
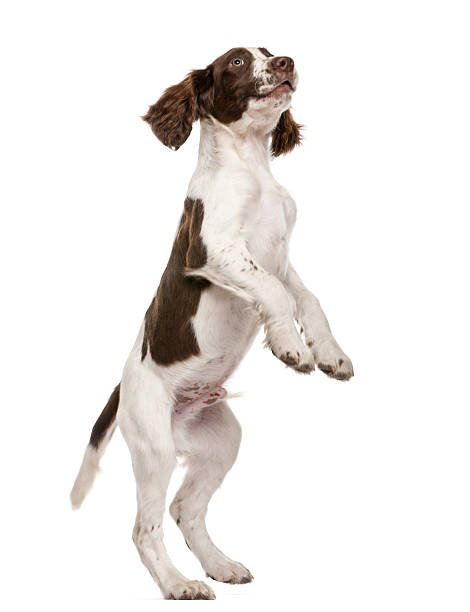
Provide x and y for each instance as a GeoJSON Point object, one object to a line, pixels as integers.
{"type": "Point", "coordinates": [145, 421]}
{"type": "Point", "coordinates": [209, 442]}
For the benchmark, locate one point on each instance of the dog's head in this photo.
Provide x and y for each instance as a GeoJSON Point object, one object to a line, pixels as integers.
{"type": "Point", "coordinates": [245, 85]}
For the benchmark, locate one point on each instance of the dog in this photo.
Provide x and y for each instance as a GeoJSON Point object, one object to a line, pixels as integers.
{"type": "Point", "coordinates": [228, 274]}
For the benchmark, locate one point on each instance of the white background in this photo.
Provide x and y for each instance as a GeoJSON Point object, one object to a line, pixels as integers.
{"type": "Point", "coordinates": [345, 496]}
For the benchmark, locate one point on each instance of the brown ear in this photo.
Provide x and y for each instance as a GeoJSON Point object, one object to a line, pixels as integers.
{"type": "Point", "coordinates": [172, 116]}
{"type": "Point", "coordinates": [286, 135]}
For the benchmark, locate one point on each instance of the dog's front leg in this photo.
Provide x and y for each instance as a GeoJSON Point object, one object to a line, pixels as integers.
{"type": "Point", "coordinates": [327, 353]}
{"type": "Point", "coordinates": [231, 266]}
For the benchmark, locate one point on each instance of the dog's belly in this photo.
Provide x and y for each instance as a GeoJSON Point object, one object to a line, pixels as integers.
{"type": "Point", "coordinates": [225, 328]}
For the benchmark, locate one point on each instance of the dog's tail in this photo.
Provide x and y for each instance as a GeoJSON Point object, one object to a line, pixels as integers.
{"type": "Point", "coordinates": [101, 434]}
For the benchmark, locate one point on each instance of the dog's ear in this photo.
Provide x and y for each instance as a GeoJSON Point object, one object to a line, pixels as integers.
{"type": "Point", "coordinates": [172, 116]}
{"type": "Point", "coordinates": [286, 135]}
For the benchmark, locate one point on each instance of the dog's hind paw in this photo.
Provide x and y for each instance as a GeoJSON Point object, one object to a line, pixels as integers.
{"type": "Point", "coordinates": [189, 589]}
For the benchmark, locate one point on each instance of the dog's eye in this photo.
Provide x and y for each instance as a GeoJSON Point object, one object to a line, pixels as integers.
{"type": "Point", "coordinates": [237, 62]}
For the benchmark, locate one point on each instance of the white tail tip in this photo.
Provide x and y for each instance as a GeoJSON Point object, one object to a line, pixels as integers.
{"type": "Point", "coordinates": [86, 477]}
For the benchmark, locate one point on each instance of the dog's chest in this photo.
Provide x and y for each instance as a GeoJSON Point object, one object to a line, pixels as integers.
{"type": "Point", "coordinates": [268, 226]}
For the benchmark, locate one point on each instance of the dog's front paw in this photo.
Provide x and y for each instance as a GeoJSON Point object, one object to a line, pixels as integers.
{"type": "Point", "coordinates": [189, 589]}
{"type": "Point", "coordinates": [292, 351]}
{"type": "Point", "coordinates": [331, 360]}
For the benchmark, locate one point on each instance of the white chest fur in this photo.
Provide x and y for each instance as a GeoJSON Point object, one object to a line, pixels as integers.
{"type": "Point", "coordinates": [269, 227]}
{"type": "Point", "coordinates": [242, 200]}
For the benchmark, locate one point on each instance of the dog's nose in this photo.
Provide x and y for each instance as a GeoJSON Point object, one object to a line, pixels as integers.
{"type": "Point", "coordinates": [286, 64]}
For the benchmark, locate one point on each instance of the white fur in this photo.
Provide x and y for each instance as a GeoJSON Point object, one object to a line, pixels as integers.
{"type": "Point", "coordinates": [260, 72]}
{"type": "Point", "coordinates": [88, 470]}
{"type": "Point", "coordinates": [248, 219]}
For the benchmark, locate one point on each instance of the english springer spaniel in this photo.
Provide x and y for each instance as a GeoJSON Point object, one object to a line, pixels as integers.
{"type": "Point", "coordinates": [228, 273]}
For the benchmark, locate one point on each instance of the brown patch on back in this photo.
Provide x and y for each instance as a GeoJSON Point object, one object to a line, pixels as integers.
{"type": "Point", "coordinates": [169, 334]}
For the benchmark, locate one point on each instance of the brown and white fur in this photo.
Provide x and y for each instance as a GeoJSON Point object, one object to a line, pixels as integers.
{"type": "Point", "coordinates": [228, 273]}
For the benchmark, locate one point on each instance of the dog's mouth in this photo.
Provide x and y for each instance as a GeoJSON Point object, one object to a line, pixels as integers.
{"type": "Point", "coordinates": [285, 87]}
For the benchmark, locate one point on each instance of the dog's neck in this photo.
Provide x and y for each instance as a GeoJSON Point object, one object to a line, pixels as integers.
{"type": "Point", "coordinates": [227, 153]}
{"type": "Point", "coordinates": [242, 143]}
